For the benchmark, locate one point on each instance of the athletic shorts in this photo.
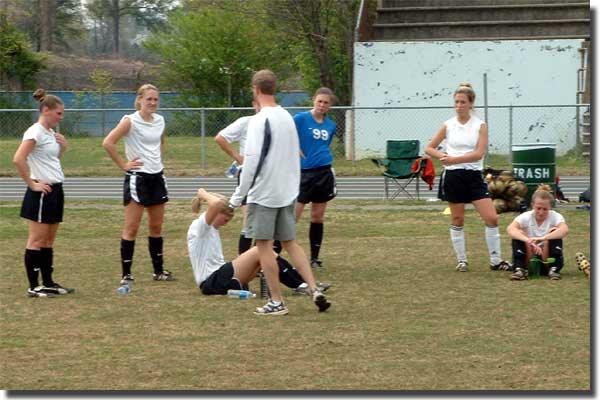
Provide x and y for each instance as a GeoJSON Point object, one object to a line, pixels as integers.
{"type": "Point", "coordinates": [145, 189]}
{"type": "Point", "coordinates": [45, 208]}
{"type": "Point", "coordinates": [220, 281]}
{"type": "Point", "coordinates": [266, 223]}
{"type": "Point", "coordinates": [317, 185]}
{"type": "Point", "coordinates": [462, 186]}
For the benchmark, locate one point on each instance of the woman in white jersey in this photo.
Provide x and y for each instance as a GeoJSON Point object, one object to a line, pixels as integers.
{"type": "Point", "coordinates": [145, 186]}
{"type": "Point", "coordinates": [38, 162]}
{"type": "Point", "coordinates": [462, 182]}
{"type": "Point", "coordinates": [236, 132]}
{"type": "Point", "coordinates": [540, 232]}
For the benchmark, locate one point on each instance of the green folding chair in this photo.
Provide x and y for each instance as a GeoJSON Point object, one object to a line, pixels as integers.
{"type": "Point", "coordinates": [396, 167]}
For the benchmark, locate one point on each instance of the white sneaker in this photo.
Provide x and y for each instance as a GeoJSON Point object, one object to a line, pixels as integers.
{"type": "Point", "coordinates": [462, 266]}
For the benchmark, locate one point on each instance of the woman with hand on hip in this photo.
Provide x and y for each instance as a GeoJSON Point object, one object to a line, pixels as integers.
{"type": "Point", "coordinates": [145, 186]}
{"type": "Point", "coordinates": [462, 182]}
{"type": "Point", "coordinates": [38, 162]}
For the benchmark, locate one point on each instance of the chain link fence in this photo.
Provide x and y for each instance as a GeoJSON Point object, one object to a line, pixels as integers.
{"type": "Point", "coordinates": [362, 131]}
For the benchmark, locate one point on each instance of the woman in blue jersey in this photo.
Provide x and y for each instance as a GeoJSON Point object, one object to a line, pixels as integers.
{"type": "Point", "coordinates": [145, 186]}
{"type": "Point", "coordinates": [317, 183]}
{"type": "Point", "coordinates": [38, 162]}
{"type": "Point", "coordinates": [466, 139]}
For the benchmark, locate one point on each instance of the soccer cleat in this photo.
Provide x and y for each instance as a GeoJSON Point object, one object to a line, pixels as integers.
{"type": "Point", "coordinates": [272, 309]}
{"type": "Point", "coordinates": [60, 289]}
{"type": "Point", "coordinates": [462, 266]}
{"type": "Point", "coordinates": [320, 300]}
{"type": "Point", "coordinates": [303, 289]}
{"type": "Point", "coordinates": [127, 279]}
{"type": "Point", "coordinates": [502, 266]}
{"type": "Point", "coordinates": [553, 274]}
{"type": "Point", "coordinates": [39, 291]}
{"type": "Point", "coordinates": [520, 274]}
{"type": "Point", "coordinates": [316, 264]}
{"type": "Point", "coordinates": [163, 276]}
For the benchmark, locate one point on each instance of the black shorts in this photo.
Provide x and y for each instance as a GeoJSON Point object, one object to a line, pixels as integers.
{"type": "Point", "coordinates": [145, 189]}
{"type": "Point", "coordinates": [46, 208]}
{"type": "Point", "coordinates": [462, 186]}
{"type": "Point", "coordinates": [317, 185]}
{"type": "Point", "coordinates": [244, 202]}
{"type": "Point", "coordinates": [220, 281]}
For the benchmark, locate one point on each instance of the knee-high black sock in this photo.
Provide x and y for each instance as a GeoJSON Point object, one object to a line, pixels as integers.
{"type": "Point", "coordinates": [277, 246]}
{"type": "Point", "coordinates": [127, 247]}
{"type": "Point", "coordinates": [287, 274]}
{"type": "Point", "coordinates": [32, 266]}
{"type": "Point", "coordinates": [519, 254]}
{"type": "Point", "coordinates": [556, 251]}
{"type": "Point", "coordinates": [47, 266]}
{"type": "Point", "coordinates": [244, 244]}
{"type": "Point", "coordinates": [155, 246]}
{"type": "Point", "coordinates": [315, 234]}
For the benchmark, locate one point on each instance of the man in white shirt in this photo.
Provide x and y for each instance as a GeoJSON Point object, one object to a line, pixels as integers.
{"type": "Point", "coordinates": [270, 179]}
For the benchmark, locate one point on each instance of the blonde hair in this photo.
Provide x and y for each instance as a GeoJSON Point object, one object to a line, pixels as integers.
{"type": "Point", "coordinates": [223, 204]}
{"type": "Point", "coordinates": [543, 192]}
{"type": "Point", "coordinates": [140, 93]}
{"type": "Point", "coordinates": [47, 100]}
{"type": "Point", "coordinates": [466, 89]}
{"type": "Point", "coordinates": [266, 81]}
{"type": "Point", "coordinates": [326, 91]}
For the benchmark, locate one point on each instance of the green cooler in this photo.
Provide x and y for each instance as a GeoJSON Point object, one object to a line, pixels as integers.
{"type": "Point", "coordinates": [534, 164]}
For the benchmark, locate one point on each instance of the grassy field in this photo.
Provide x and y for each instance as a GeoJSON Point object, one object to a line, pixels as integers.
{"type": "Point", "coordinates": [86, 157]}
{"type": "Point", "coordinates": [402, 317]}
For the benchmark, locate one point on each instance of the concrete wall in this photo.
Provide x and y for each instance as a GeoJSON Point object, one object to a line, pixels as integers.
{"type": "Point", "coordinates": [425, 74]}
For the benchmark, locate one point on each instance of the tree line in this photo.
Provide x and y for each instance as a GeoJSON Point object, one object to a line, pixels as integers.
{"type": "Point", "coordinates": [206, 49]}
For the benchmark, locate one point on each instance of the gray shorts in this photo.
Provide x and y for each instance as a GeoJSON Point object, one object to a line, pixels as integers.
{"type": "Point", "coordinates": [265, 223]}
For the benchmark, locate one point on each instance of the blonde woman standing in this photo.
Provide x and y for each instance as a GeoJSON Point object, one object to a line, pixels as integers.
{"type": "Point", "coordinates": [38, 162]}
{"type": "Point", "coordinates": [145, 186]}
{"type": "Point", "coordinates": [466, 138]}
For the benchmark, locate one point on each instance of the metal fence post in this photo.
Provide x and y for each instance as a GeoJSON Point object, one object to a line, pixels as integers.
{"type": "Point", "coordinates": [510, 133]}
{"type": "Point", "coordinates": [578, 144]}
{"type": "Point", "coordinates": [202, 139]}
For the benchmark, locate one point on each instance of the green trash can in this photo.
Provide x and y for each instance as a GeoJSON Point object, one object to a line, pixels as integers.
{"type": "Point", "coordinates": [534, 164]}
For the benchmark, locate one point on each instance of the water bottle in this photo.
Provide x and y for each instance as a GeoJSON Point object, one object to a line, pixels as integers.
{"type": "Point", "coordinates": [535, 265]}
{"type": "Point", "coordinates": [124, 289]}
{"type": "Point", "coordinates": [240, 294]}
{"type": "Point", "coordinates": [264, 287]}
{"type": "Point", "coordinates": [232, 171]}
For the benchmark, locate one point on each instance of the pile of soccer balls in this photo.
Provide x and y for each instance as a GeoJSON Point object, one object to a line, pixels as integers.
{"type": "Point", "coordinates": [506, 191]}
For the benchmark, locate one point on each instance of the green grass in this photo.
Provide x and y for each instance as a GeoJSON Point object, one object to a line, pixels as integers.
{"type": "Point", "coordinates": [86, 157]}
{"type": "Point", "coordinates": [402, 317]}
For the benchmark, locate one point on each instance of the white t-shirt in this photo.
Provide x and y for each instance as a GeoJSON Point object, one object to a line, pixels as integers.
{"type": "Point", "coordinates": [462, 139]}
{"type": "Point", "coordinates": [205, 249]}
{"type": "Point", "coordinates": [236, 132]}
{"type": "Point", "coordinates": [43, 160]}
{"type": "Point", "coordinates": [278, 182]}
{"type": "Point", "coordinates": [529, 225]}
{"type": "Point", "coordinates": [143, 141]}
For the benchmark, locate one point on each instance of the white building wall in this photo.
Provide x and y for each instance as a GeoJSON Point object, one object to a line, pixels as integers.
{"type": "Point", "coordinates": [425, 74]}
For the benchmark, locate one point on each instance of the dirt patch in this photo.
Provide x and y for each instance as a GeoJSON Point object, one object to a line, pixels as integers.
{"type": "Point", "coordinates": [73, 73]}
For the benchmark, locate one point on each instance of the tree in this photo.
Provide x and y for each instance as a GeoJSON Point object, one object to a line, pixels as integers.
{"type": "Point", "coordinates": [210, 55]}
{"type": "Point", "coordinates": [150, 13]}
{"type": "Point", "coordinates": [18, 64]}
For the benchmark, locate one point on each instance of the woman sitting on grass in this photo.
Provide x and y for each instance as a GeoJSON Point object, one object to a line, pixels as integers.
{"type": "Point", "coordinates": [540, 232]}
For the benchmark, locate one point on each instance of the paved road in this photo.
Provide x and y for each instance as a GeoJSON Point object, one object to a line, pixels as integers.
{"type": "Point", "coordinates": [185, 187]}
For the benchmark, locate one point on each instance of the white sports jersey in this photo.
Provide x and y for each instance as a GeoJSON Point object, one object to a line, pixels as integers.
{"type": "Point", "coordinates": [143, 141]}
{"type": "Point", "coordinates": [278, 182]}
{"type": "Point", "coordinates": [236, 132]}
{"type": "Point", "coordinates": [462, 139]}
{"type": "Point", "coordinates": [529, 225]}
{"type": "Point", "coordinates": [43, 160]}
{"type": "Point", "coordinates": [205, 249]}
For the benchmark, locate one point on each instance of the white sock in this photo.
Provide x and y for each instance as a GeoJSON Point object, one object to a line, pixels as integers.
{"type": "Point", "coordinates": [457, 235]}
{"type": "Point", "coordinates": [492, 237]}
